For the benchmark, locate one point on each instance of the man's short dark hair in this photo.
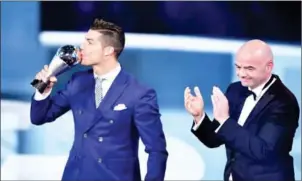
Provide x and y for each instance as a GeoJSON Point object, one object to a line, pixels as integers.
{"type": "Point", "coordinates": [113, 35]}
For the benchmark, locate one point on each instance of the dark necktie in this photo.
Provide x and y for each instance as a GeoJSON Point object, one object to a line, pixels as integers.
{"type": "Point", "coordinates": [251, 93]}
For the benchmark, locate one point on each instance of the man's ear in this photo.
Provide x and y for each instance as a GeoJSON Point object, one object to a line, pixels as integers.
{"type": "Point", "coordinates": [270, 65]}
{"type": "Point", "coordinates": [109, 50]}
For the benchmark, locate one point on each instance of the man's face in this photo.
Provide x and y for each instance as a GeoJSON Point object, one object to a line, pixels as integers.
{"type": "Point", "coordinates": [252, 69]}
{"type": "Point", "coordinates": [92, 49]}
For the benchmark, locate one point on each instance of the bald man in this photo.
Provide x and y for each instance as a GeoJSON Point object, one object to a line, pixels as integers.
{"type": "Point", "coordinates": [256, 119]}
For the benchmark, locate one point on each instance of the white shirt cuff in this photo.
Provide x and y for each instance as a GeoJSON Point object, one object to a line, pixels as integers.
{"type": "Point", "coordinates": [38, 96]}
{"type": "Point", "coordinates": [196, 126]}
{"type": "Point", "coordinates": [217, 129]}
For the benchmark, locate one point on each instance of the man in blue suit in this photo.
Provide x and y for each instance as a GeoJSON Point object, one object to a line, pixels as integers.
{"type": "Point", "coordinates": [256, 120]}
{"type": "Point", "coordinates": [111, 111]}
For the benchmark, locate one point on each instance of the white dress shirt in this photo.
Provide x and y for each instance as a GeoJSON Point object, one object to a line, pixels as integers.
{"type": "Point", "coordinates": [248, 106]}
{"type": "Point", "coordinates": [106, 84]}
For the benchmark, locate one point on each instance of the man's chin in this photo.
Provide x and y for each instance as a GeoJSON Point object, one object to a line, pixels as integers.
{"type": "Point", "coordinates": [83, 63]}
{"type": "Point", "coordinates": [244, 84]}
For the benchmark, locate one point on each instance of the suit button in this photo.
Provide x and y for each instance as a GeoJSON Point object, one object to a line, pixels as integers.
{"type": "Point", "coordinates": [111, 121]}
{"type": "Point", "coordinates": [100, 139]}
{"type": "Point", "coordinates": [100, 160]}
{"type": "Point", "coordinates": [80, 111]}
{"type": "Point", "coordinates": [233, 159]}
{"type": "Point", "coordinates": [85, 135]}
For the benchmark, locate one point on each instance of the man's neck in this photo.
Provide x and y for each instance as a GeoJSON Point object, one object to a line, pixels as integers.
{"type": "Point", "coordinates": [263, 83]}
{"type": "Point", "coordinates": [104, 67]}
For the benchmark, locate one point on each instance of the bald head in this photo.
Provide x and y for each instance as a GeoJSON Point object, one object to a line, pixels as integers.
{"type": "Point", "coordinates": [254, 63]}
{"type": "Point", "coordinates": [257, 49]}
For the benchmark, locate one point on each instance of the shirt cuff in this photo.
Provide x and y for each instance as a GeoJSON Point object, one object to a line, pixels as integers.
{"type": "Point", "coordinates": [38, 96]}
{"type": "Point", "coordinates": [217, 129]}
{"type": "Point", "coordinates": [196, 126]}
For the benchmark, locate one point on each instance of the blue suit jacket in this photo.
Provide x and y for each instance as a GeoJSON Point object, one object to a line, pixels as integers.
{"type": "Point", "coordinates": [260, 149]}
{"type": "Point", "coordinates": [106, 142]}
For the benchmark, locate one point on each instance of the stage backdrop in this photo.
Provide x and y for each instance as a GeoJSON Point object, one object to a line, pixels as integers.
{"type": "Point", "coordinates": [167, 63]}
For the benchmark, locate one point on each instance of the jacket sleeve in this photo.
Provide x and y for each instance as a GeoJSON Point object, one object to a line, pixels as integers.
{"type": "Point", "coordinates": [50, 108]}
{"type": "Point", "coordinates": [274, 138]}
{"type": "Point", "coordinates": [149, 126]}
{"type": "Point", "coordinates": [206, 131]}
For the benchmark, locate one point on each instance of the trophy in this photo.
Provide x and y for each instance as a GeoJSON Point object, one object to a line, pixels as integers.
{"type": "Point", "coordinates": [65, 58]}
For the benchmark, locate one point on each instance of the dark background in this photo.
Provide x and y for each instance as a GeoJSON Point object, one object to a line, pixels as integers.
{"type": "Point", "coordinates": [271, 21]}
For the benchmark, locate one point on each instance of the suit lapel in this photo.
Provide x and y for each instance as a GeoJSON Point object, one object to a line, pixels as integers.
{"type": "Point", "coordinates": [115, 91]}
{"type": "Point", "coordinates": [264, 101]}
{"type": "Point", "coordinates": [88, 88]}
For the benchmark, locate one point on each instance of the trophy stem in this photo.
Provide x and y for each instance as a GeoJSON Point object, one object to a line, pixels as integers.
{"type": "Point", "coordinates": [39, 85]}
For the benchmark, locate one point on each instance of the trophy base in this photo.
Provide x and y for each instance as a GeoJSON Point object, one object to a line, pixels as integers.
{"type": "Point", "coordinates": [39, 85]}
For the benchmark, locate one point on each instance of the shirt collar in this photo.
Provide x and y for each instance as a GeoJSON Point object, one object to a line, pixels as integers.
{"type": "Point", "coordinates": [259, 89]}
{"type": "Point", "coordinates": [110, 75]}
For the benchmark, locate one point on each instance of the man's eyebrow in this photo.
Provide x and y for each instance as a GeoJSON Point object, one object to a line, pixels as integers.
{"type": "Point", "coordinates": [246, 67]}
{"type": "Point", "coordinates": [249, 67]}
{"type": "Point", "coordinates": [89, 39]}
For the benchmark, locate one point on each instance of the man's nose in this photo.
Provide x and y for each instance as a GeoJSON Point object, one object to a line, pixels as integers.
{"type": "Point", "coordinates": [241, 72]}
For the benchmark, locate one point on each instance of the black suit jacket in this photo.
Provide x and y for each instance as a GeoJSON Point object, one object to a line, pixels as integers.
{"type": "Point", "coordinates": [259, 150]}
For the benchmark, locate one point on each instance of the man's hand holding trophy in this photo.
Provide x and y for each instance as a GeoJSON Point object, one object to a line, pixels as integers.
{"type": "Point", "coordinates": [66, 57]}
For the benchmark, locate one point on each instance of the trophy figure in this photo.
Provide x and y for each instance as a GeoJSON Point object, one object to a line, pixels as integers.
{"type": "Point", "coordinates": [65, 58]}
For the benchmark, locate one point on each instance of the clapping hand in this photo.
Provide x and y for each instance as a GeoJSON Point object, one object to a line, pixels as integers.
{"type": "Point", "coordinates": [194, 104]}
{"type": "Point", "coordinates": [220, 105]}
